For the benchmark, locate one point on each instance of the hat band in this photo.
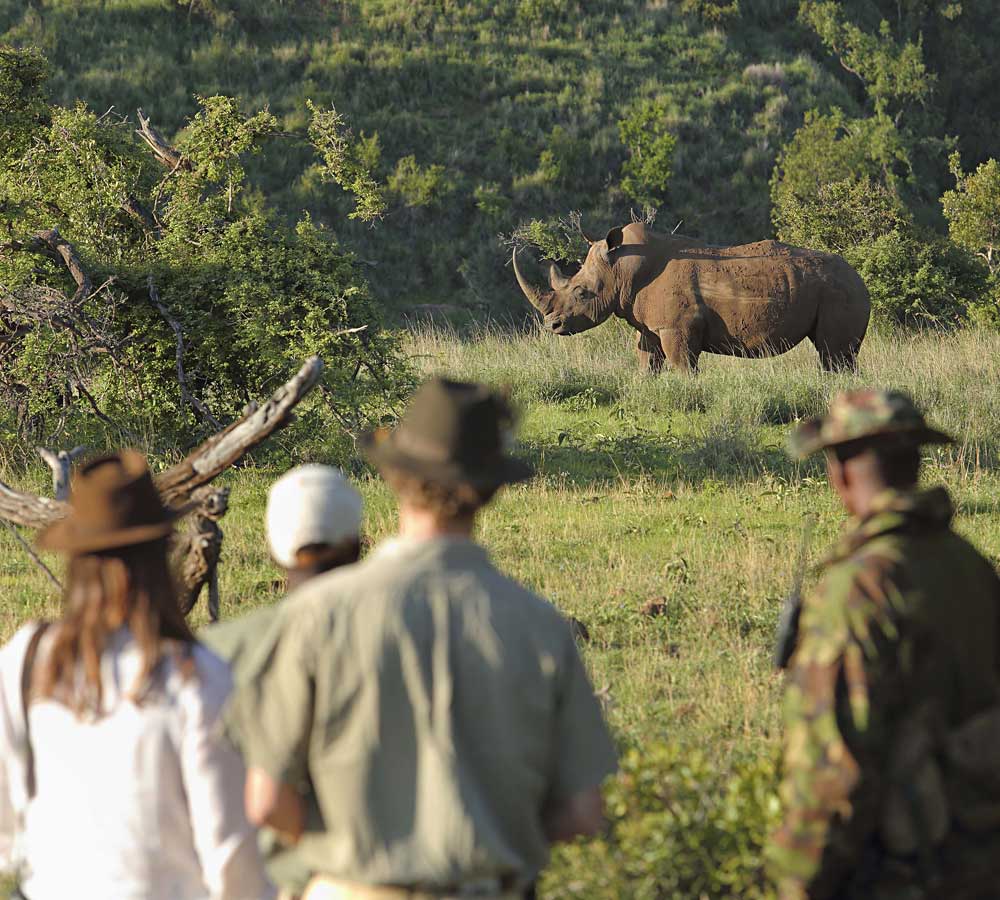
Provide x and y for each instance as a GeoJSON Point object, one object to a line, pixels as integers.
{"type": "Point", "coordinates": [419, 447]}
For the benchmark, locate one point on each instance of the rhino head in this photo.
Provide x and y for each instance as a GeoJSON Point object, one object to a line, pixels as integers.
{"type": "Point", "coordinates": [572, 305]}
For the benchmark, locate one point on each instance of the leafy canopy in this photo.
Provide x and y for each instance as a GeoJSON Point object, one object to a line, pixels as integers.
{"type": "Point", "coordinates": [973, 210]}
{"type": "Point", "coordinates": [115, 247]}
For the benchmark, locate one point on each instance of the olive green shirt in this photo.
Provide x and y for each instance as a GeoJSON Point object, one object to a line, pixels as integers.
{"type": "Point", "coordinates": [439, 707]}
{"type": "Point", "coordinates": [246, 644]}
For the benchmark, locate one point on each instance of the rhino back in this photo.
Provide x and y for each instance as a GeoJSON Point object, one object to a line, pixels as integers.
{"type": "Point", "coordinates": [753, 298]}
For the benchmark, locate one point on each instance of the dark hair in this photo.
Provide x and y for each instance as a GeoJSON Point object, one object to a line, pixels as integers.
{"type": "Point", "coordinates": [447, 502]}
{"type": "Point", "coordinates": [130, 586]}
{"type": "Point", "coordinates": [323, 557]}
{"type": "Point", "coordinates": [895, 463]}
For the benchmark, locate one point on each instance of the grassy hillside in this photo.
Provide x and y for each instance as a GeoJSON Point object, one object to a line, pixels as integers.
{"type": "Point", "coordinates": [486, 113]}
{"type": "Point", "coordinates": [674, 490]}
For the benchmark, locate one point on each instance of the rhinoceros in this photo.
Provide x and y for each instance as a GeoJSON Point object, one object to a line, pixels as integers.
{"type": "Point", "coordinates": [685, 298]}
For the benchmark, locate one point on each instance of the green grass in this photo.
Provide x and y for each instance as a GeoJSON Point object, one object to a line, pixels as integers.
{"type": "Point", "coordinates": [671, 487]}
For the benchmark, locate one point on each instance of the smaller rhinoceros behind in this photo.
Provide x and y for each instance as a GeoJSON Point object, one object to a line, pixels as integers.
{"type": "Point", "coordinates": [686, 298]}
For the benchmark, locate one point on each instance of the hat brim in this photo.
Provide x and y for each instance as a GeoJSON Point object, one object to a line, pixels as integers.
{"type": "Point", "coordinates": [807, 439]}
{"type": "Point", "coordinates": [382, 451]}
{"type": "Point", "coordinates": [64, 537]}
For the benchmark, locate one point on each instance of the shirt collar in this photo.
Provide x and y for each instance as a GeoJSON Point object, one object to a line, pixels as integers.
{"type": "Point", "coordinates": [896, 510]}
{"type": "Point", "coordinates": [451, 548]}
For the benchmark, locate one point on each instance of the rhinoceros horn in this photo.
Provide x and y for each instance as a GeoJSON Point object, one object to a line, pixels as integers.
{"type": "Point", "coordinates": [534, 295]}
{"type": "Point", "coordinates": [557, 279]}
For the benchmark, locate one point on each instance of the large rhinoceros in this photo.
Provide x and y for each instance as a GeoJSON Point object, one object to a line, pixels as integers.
{"type": "Point", "coordinates": [686, 298]}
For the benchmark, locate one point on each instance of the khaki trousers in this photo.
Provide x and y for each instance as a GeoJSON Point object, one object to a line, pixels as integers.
{"type": "Point", "coordinates": [321, 888]}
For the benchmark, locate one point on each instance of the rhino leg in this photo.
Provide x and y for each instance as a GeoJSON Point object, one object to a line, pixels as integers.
{"type": "Point", "coordinates": [650, 353]}
{"type": "Point", "coordinates": [681, 348]}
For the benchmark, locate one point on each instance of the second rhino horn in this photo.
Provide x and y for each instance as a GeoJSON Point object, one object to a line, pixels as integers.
{"type": "Point", "coordinates": [557, 280]}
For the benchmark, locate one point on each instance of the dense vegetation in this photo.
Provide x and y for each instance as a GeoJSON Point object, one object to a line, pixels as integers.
{"type": "Point", "coordinates": [482, 115]}
{"type": "Point", "coordinates": [145, 297]}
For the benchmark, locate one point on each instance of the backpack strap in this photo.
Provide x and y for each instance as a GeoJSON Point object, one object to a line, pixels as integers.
{"type": "Point", "coordinates": [29, 662]}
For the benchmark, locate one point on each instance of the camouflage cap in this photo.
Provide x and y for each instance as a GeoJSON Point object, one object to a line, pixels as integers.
{"type": "Point", "coordinates": [864, 415]}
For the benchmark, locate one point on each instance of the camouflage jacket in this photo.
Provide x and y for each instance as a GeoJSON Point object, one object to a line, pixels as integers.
{"type": "Point", "coordinates": [906, 612]}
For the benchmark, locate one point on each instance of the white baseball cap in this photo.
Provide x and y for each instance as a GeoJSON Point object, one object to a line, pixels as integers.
{"type": "Point", "coordinates": [311, 504]}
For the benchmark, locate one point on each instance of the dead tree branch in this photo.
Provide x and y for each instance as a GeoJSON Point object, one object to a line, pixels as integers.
{"type": "Point", "coordinates": [187, 397]}
{"type": "Point", "coordinates": [170, 157]}
{"type": "Point", "coordinates": [54, 244]}
{"type": "Point", "coordinates": [199, 467]}
{"type": "Point", "coordinates": [60, 463]}
{"type": "Point", "coordinates": [34, 557]}
{"type": "Point", "coordinates": [222, 450]}
{"type": "Point", "coordinates": [29, 510]}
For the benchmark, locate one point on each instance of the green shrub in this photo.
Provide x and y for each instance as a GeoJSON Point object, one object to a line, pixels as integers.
{"type": "Point", "coordinates": [914, 277]}
{"type": "Point", "coordinates": [557, 238]}
{"type": "Point", "coordinates": [680, 827]}
{"type": "Point", "coordinates": [918, 280]}
{"type": "Point", "coordinates": [646, 136]}
{"type": "Point", "coordinates": [563, 159]}
{"type": "Point", "coordinates": [973, 210]}
{"type": "Point", "coordinates": [179, 244]}
{"type": "Point", "coordinates": [417, 185]}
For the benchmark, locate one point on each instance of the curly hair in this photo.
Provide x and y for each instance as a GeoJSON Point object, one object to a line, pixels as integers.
{"type": "Point", "coordinates": [446, 502]}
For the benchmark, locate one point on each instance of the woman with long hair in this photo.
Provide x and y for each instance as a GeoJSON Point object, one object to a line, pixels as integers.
{"type": "Point", "coordinates": [116, 780]}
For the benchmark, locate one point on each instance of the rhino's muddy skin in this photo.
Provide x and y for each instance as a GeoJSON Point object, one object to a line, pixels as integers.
{"type": "Point", "coordinates": [686, 298]}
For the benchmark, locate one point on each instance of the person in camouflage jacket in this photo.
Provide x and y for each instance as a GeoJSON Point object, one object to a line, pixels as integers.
{"type": "Point", "coordinates": [899, 642]}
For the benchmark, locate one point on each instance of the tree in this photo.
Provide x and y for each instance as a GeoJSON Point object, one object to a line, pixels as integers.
{"type": "Point", "coordinates": [892, 72]}
{"type": "Point", "coordinates": [973, 210]}
{"type": "Point", "coordinates": [646, 135]}
{"type": "Point", "coordinates": [144, 289]}
{"type": "Point", "coordinates": [833, 148]}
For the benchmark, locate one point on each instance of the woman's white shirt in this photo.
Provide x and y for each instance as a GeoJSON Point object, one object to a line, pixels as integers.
{"type": "Point", "coordinates": [143, 803]}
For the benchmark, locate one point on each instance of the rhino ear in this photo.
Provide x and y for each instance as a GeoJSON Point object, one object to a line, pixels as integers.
{"type": "Point", "coordinates": [614, 239]}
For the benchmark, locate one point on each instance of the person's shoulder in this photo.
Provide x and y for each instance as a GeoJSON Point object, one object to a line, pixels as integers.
{"type": "Point", "coordinates": [202, 681]}
{"type": "Point", "coordinates": [17, 646]}
{"type": "Point", "coordinates": [231, 638]}
{"type": "Point", "coordinates": [13, 652]}
{"type": "Point", "coordinates": [535, 612]}
{"type": "Point", "coordinates": [855, 596]}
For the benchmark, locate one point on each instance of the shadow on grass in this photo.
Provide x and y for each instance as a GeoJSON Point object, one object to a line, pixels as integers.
{"type": "Point", "coordinates": [693, 461]}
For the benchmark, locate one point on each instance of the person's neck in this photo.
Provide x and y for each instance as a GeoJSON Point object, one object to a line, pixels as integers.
{"type": "Point", "coordinates": [864, 499]}
{"type": "Point", "coordinates": [421, 525]}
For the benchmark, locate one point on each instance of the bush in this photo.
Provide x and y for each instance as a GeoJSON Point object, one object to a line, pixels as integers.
{"type": "Point", "coordinates": [914, 278]}
{"type": "Point", "coordinates": [680, 827]}
{"type": "Point", "coordinates": [170, 239]}
{"type": "Point", "coordinates": [418, 185]}
{"type": "Point", "coordinates": [650, 145]}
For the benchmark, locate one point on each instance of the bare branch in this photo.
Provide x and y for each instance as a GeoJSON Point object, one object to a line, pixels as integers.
{"type": "Point", "coordinates": [60, 463]}
{"type": "Point", "coordinates": [203, 464]}
{"type": "Point", "coordinates": [29, 510]}
{"type": "Point", "coordinates": [222, 450]}
{"type": "Point", "coordinates": [187, 397]}
{"type": "Point", "coordinates": [35, 558]}
{"type": "Point", "coordinates": [170, 157]}
{"type": "Point", "coordinates": [58, 246]}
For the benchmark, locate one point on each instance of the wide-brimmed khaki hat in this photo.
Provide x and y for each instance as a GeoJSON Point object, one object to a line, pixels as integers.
{"type": "Point", "coordinates": [865, 415]}
{"type": "Point", "coordinates": [452, 432]}
{"type": "Point", "coordinates": [113, 503]}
